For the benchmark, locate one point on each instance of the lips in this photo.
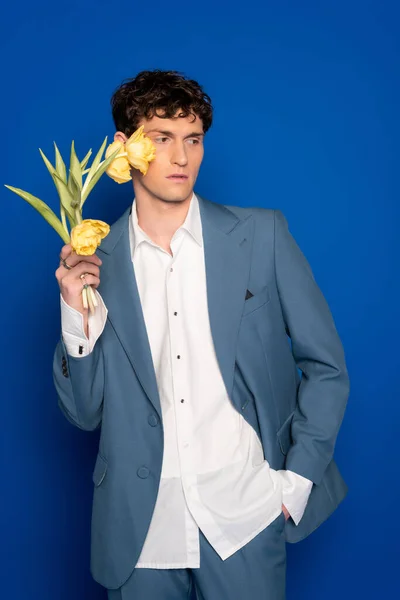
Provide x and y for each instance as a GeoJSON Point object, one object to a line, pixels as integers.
{"type": "Point", "coordinates": [177, 177]}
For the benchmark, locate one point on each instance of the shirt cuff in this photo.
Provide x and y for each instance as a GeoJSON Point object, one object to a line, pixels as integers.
{"type": "Point", "coordinates": [296, 490]}
{"type": "Point", "coordinates": [72, 327]}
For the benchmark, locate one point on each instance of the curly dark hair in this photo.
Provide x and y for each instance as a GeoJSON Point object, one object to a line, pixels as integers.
{"type": "Point", "coordinates": [149, 92]}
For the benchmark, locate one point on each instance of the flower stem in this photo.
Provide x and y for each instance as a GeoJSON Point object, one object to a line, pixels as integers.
{"type": "Point", "coordinates": [78, 216]}
{"type": "Point", "coordinates": [93, 296]}
{"type": "Point", "coordinates": [84, 297]}
{"type": "Point", "coordinates": [89, 292]}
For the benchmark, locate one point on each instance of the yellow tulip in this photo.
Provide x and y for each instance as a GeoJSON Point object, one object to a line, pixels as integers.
{"type": "Point", "coordinates": [140, 150]}
{"type": "Point", "coordinates": [87, 236]}
{"type": "Point", "coordinates": [119, 169]}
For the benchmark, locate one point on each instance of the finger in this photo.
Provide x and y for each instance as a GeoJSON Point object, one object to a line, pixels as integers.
{"type": "Point", "coordinates": [91, 280]}
{"type": "Point", "coordinates": [67, 276]}
{"type": "Point", "coordinates": [74, 286]}
{"type": "Point", "coordinates": [85, 267]}
{"type": "Point", "coordinates": [65, 251]}
{"type": "Point", "coordinates": [74, 259]}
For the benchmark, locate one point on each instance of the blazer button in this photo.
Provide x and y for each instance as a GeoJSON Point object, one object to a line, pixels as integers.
{"type": "Point", "coordinates": [143, 472]}
{"type": "Point", "coordinates": [153, 421]}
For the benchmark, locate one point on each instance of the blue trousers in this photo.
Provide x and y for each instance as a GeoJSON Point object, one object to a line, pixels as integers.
{"type": "Point", "coordinates": [256, 571]}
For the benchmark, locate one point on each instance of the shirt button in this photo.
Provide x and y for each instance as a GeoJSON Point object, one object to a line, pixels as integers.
{"type": "Point", "coordinates": [153, 421]}
{"type": "Point", "coordinates": [143, 472]}
{"type": "Point", "coordinates": [183, 400]}
{"type": "Point", "coordinates": [178, 356]}
{"type": "Point", "coordinates": [171, 269]}
{"type": "Point", "coordinates": [175, 313]}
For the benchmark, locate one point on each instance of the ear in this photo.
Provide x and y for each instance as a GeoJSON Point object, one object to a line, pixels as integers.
{"type": "Point", "coordinates": [120, 137]}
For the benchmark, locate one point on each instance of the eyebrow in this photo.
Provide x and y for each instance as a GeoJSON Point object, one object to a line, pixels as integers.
{"type": "Point", "coordinates": [171, 134]}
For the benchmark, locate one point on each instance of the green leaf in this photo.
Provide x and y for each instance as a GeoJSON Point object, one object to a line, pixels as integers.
{"type": "Point", "coordinates": [47, 163]}
{"type": "Point", "coordinates": [76, 192]}
{"type": "Point", "coordinates": [96, 176]}
{"type": "Point", "coordinates": [63, 219]}
{"type": "Point", "coordinates": [84, 162]}
{"type": "Point", "coordinates": [72, 222]}
{"type": "Point", "coordinates": [60, 185]}
{"type": "Point", "coordinates": [66, 197]}
{"type": "Point", "coordinates": [75, 167]}
{"type": "Point", "coordinates": [44, 210]}
{"type": "Point", "coordinates": [92, 171]}
{"type": "Point", "coordinates": [60, 165]}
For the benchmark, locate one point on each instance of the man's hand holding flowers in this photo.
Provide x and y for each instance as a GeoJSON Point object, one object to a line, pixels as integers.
{"type": "Point", "coordinates": [76, 275]}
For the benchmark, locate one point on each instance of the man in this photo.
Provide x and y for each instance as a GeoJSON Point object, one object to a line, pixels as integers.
{"type": "Point", "coordinates": [214, 452]}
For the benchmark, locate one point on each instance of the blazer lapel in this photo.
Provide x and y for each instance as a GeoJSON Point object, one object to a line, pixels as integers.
{"type": "Point", "coordinates": [119, 290]}
{"type": "Point", "coordinates": [227, 250]}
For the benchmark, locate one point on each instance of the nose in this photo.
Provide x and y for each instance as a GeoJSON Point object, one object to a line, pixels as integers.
{"type": "Point", "coordinates": [179, 155]}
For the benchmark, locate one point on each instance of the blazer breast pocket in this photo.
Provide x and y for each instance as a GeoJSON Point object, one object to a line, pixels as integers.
{"type": "Point", "coordinates": [256, 301]}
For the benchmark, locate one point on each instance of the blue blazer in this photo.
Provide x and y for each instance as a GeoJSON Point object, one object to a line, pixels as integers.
{"type": "Point", "coordinates": [262, 343]}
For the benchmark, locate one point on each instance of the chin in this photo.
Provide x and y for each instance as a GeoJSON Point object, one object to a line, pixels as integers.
{"type": "Point", "coordinates": [176, 196]}
{"type": "Point", "coordinates": [180, 198]}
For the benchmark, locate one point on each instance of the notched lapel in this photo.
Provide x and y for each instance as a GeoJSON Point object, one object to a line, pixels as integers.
{"type": "Point", "coordinates": [227, 251]}
{"type": "Point", "coordinates": [121, 296]}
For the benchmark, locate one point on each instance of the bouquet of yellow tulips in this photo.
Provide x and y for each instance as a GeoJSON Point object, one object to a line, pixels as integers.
{"type": "Point", "coordinates": [85, 235]}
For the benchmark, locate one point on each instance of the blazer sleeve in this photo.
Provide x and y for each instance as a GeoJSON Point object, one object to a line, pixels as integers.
{"type": "Point", "coordinates": [79, 384]}
{"type": "Point", "coordinates": [324, 387]}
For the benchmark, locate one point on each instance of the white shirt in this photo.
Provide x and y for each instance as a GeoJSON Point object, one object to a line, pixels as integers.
{"type": "Point", "coordinates": [214, 474]}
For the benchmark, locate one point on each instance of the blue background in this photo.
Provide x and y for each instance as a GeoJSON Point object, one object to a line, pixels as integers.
{"type": "Point", "coordinates": [306, 98]}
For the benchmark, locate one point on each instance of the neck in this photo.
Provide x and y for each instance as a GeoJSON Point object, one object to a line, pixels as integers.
{"type": "Point", "coordinates": [161, 218]}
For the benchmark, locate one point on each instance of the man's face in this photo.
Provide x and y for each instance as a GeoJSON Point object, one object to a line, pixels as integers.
{"type": "Point", "coordinates": [179, 150]}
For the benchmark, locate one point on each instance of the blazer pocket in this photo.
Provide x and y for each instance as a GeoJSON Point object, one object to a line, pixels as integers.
{"type": "Point", "coordinates": [100, 470]}
{"type": "Point", "coordinates": [256, 301]}
{"type": "Point", "coordinates": [284, 434]}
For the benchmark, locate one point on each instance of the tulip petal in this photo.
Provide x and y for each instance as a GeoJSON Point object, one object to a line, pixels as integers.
{"type": "Point", "coordinates": [136, 135]}
{"type": "Point", "coordinates": [44, 210]}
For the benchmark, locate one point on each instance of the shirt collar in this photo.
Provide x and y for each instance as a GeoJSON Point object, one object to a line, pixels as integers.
{"type": "Point", "coordinates": [192, 225]}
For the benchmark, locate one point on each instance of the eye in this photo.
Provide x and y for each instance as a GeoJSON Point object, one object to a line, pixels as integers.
{"type": "Point", "coordinates": [160, 138]}
{"type": "Point", "coordinates": [194, 140]}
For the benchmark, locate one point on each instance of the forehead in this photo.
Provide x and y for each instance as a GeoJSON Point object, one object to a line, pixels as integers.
{"type": "Point", "coordinates": [177, 124]}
